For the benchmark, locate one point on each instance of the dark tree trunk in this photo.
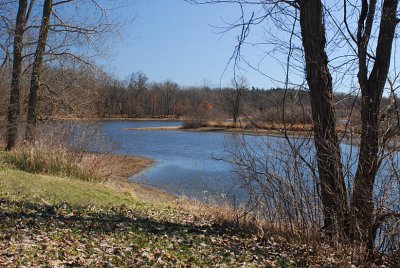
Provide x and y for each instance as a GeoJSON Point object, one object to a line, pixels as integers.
{"type": "Point", "coordinates": [14, 108]}
{"type": "Point", "coordinates": [371, 89]}
{"type": "Point", "coordinates": [333, 191]}
{"type": "Point", "coordinates": [236, 105]}
{"type": "Point", "coordinates": [36, 72]}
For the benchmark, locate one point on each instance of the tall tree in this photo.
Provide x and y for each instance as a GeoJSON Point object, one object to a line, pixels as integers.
{"type": "Point", "coordinates": [333, 191]}
{"type": "Point", "coordinates": [14, 107]}
{"type": "Point", "coordinates": [37, 71]}
{"type": "Point", "coordinates": [236, 100]}
{"type": "Point", "coordinates": [371, 84]}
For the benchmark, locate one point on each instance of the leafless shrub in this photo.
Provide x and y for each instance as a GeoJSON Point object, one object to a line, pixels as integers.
{"type": "Point", "coordinates": [193, 123]}
{"type": "Point", "coordinates": [280, 190]}
{"type": "Point", "coordinates": [74, 149]}
{"type": "Point", "coordinates": [281, 179]}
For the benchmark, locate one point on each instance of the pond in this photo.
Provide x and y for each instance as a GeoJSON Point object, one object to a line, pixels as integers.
{"type": "Point", "coordinates": [186, 163]}
{"type": "Point", "coordinates": [197, 164]}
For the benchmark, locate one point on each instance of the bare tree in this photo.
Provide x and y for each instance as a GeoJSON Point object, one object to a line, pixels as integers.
{"type": "Point", "coordinates": [240, 84]}
{"type": "Point", "coordinates": [37, 71]}
{"type": "Point", "coordinates": [333, 191]}
{"type": "Point", "coordinates": [14, 107]}
{"type": "Point", "coordinates": [6, 22]}
{"type": "Point", "coordinates": [65, 39]}
{"type": "Point", "coordinates": [372, 84]}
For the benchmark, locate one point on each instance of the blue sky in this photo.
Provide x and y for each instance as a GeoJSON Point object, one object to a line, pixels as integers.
{"type": "Point", "coordinates": [171, 39]}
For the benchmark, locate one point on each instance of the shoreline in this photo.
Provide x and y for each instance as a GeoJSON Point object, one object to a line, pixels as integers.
{"type": "Point", "coordinates": [343, 138]}
{"type": "Point", "coordinates": [255, 132]}
{"type": "Point", "coordinates": [115, 119]}
{"type": "Point", "coordinates": [274, 132]}
{"type": "Point", "coordinates": [120, 168]}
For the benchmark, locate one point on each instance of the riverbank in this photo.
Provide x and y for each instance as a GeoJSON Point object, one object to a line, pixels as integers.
{"type": "Point", "coordinates": [56, 221]}
{"type": "Point", "coordinates": [49, 220]}
{"type": "Point", "coordinates": [273, 131]}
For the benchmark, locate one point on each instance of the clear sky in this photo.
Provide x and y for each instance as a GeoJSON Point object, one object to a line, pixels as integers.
{"type": "Point", "coordinates": [175, 40]}
{"type": "Point", "coordinates": [171, 39]}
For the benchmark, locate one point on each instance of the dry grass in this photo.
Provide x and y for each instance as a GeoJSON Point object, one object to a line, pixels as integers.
{"type": "Point", "coordinates": [154, 128]}
{"type": "Point", "coordinates": [38, 158]}
{"type": "Point", "coordinates": [117, 169]}
{"type": "Point", "coordinates": [111, 167]}
{"type": "Point", "coordinates": [260, 126]}
{"type": "Point", "coordinates": [318, 252]}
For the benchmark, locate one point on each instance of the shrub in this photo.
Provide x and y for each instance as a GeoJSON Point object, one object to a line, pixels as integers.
{"type": "Point", "coordinates": [193, 123]}
{"type": "Point", "coordinates": [63, 148]}
{"type": "Point", "coordinates": [38, 158]}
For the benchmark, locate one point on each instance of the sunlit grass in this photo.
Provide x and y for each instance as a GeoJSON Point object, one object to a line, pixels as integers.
{"type": "Point", "coordinates": [57, 189]}
{"type": "Point", "coordinates": [58, 161]}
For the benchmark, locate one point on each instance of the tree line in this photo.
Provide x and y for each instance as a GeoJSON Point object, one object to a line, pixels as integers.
{"type": "Point", "coordinates": [83, 91]}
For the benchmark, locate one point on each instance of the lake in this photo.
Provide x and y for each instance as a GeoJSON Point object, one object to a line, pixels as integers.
{"type": "Point", "coordinates": [185, 162]}
{"type": "Point", "coordinates": [196, 164]}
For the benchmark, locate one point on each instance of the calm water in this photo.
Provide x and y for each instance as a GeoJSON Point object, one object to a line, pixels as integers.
{"type": "Point", "coordinates": [192, 164]}
{"type": "Point", "coordinates": [186, 163]}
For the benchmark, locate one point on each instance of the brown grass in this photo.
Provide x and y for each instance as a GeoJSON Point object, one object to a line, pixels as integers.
{"type": "Point", "coordinates": [260, 126]}
{"type": "Point", "coordinates": [270, 128]}
{"type": "Point", "coordinates": [117, 169]}
{"type": "Point", "coordinates": [154, 128]}
{"type": "Point", "coordinates": [111, 167]}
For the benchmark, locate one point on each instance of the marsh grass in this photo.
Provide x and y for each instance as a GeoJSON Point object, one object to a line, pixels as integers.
{"type": "Point", "coordinates": [193, 123]}
{"type": "Point", "coordinates": [246, 125]}
{"type": "Point", "coordinates": [38, 158]}
{"type": "Point", "coordinates": [63, 149]}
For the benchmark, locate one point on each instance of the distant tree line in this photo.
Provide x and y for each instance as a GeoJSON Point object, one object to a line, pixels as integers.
{"type": "Point", "coordinates": [83, 91]}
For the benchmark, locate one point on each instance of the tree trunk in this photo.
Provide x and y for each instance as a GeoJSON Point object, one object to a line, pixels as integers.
{"type": "Point", "coordinates": [236, 106]}
{"type": "Point", "coordinates": [371, 89]}
{"type": "Point", "coordinates": [36, 72]}
{"type": "Point", "coordinates": [14, 108]}
{"type": "Point", "coordinates": [333, 191]}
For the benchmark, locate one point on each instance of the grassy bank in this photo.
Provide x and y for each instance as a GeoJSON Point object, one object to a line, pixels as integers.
{"type": "Point", "coordinates": [54, 220]}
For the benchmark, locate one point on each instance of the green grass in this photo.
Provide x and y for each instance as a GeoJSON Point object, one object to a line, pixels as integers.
{"type": "Point", "coordinates": [56, 189]}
